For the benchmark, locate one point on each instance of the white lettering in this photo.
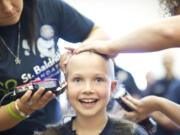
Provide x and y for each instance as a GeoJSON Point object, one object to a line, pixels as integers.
{"type": "Point", "coordinates": [42, 75]}
{"type": "Point", "coordinates": [37, 70]}
{"type": "Point", "coordinates": [26, 77]}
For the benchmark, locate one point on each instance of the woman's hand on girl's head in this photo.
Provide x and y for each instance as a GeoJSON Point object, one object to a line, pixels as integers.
{"type": "Point", "coordinates": [103, 47]}
{"type": "Point", "coordinates": [29, 103]}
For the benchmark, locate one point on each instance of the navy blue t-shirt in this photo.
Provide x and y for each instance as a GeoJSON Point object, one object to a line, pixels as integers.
{"type": "Point", "coordinates": [56, 19]}
{"type": "Point", "coordinates": [113, 127]}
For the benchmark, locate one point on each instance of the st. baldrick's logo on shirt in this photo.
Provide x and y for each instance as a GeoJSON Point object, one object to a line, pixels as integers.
{"type": "Point", "coordinates": [47, 69]}
{"type": "Point", "coordinates": [46, 47]}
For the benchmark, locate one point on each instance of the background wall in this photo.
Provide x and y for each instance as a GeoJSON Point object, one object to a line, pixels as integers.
{"type": "Point", "coordinates": [119, 17]}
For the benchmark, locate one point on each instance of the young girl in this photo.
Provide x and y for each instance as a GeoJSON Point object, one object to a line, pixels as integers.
{"type": "Point", "coordinates": [90, 79]}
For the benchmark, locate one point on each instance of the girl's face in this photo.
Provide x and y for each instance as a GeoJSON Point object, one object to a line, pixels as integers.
{"type": "Point", "coordinates": [10, 12]}
{"type": "Point", "coordinates": [89, 85]}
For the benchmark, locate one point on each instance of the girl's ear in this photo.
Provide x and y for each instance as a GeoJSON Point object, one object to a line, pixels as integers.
{"type": "Point", "coordinates": [113, 86]}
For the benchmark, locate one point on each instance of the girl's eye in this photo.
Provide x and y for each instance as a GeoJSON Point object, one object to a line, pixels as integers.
{"type": "Point", "coordinates": [99, 79]}
{"type": "Point", "coordinates": [77, 79]}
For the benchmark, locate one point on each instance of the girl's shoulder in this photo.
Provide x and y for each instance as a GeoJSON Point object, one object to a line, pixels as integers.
{"type": "Point", "coordinates": [62, 129]}
{"type": "Point", "coordinates": [118, 126]}
{"type": "Point", "coordinates": [49, 131]}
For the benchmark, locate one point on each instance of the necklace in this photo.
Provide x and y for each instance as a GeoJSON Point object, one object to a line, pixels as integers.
{"type": "Point", "coordinates": [17, 59]}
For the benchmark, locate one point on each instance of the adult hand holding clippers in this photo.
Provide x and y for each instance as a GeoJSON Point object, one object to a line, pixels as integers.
{"type": "Point", "coordinates": [132, 111]}
{"type": "Point", "coordinates": [26, 99]}
{"type": "Point", "coordinates": [142, 108]}
{"type": "Point", "coordinates": [150, 104]}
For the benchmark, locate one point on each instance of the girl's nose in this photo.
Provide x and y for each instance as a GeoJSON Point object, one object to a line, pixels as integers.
{"type": "Point", "coordinates": [7, 6]}
{"type": "Point", "coordinates": [88, 86]}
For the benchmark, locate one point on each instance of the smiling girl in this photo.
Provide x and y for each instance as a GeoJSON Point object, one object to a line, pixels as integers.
{"type": "Point", "coordinates": [90, 79]}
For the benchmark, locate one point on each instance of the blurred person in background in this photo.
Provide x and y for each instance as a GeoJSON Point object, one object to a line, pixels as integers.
{"type": "Point", "coordinates": [149, 81]}
{"type": "Point", "coordinates": [162, 87]}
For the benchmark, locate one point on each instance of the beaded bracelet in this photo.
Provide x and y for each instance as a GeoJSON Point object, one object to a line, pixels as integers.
{"type": "Point", "coordinates": [13, 114]}
{"type": "Point", "coordinates": [22, 114]}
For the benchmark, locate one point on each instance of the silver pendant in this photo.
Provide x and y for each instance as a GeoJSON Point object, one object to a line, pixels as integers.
{"type": "Point", "coordinates": [17, 60]}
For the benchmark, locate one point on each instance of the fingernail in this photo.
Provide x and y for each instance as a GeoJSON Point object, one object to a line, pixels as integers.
{"type": "Point", "coordinates": [64, 63]}
{"type": "Point", "coordinates": [28, 92]}
{"type": "Point", "coordinates": [75, 52]}
{"type": "Point", "coordinates": [126, 97]}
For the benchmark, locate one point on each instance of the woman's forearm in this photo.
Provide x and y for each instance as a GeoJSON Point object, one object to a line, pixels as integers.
{"type": "Point", "coordinates": [154, 37]}
{"type": "Point", "coordinates": [6, 120]}
{"type": "Point", "coordinates": [170, 109]}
